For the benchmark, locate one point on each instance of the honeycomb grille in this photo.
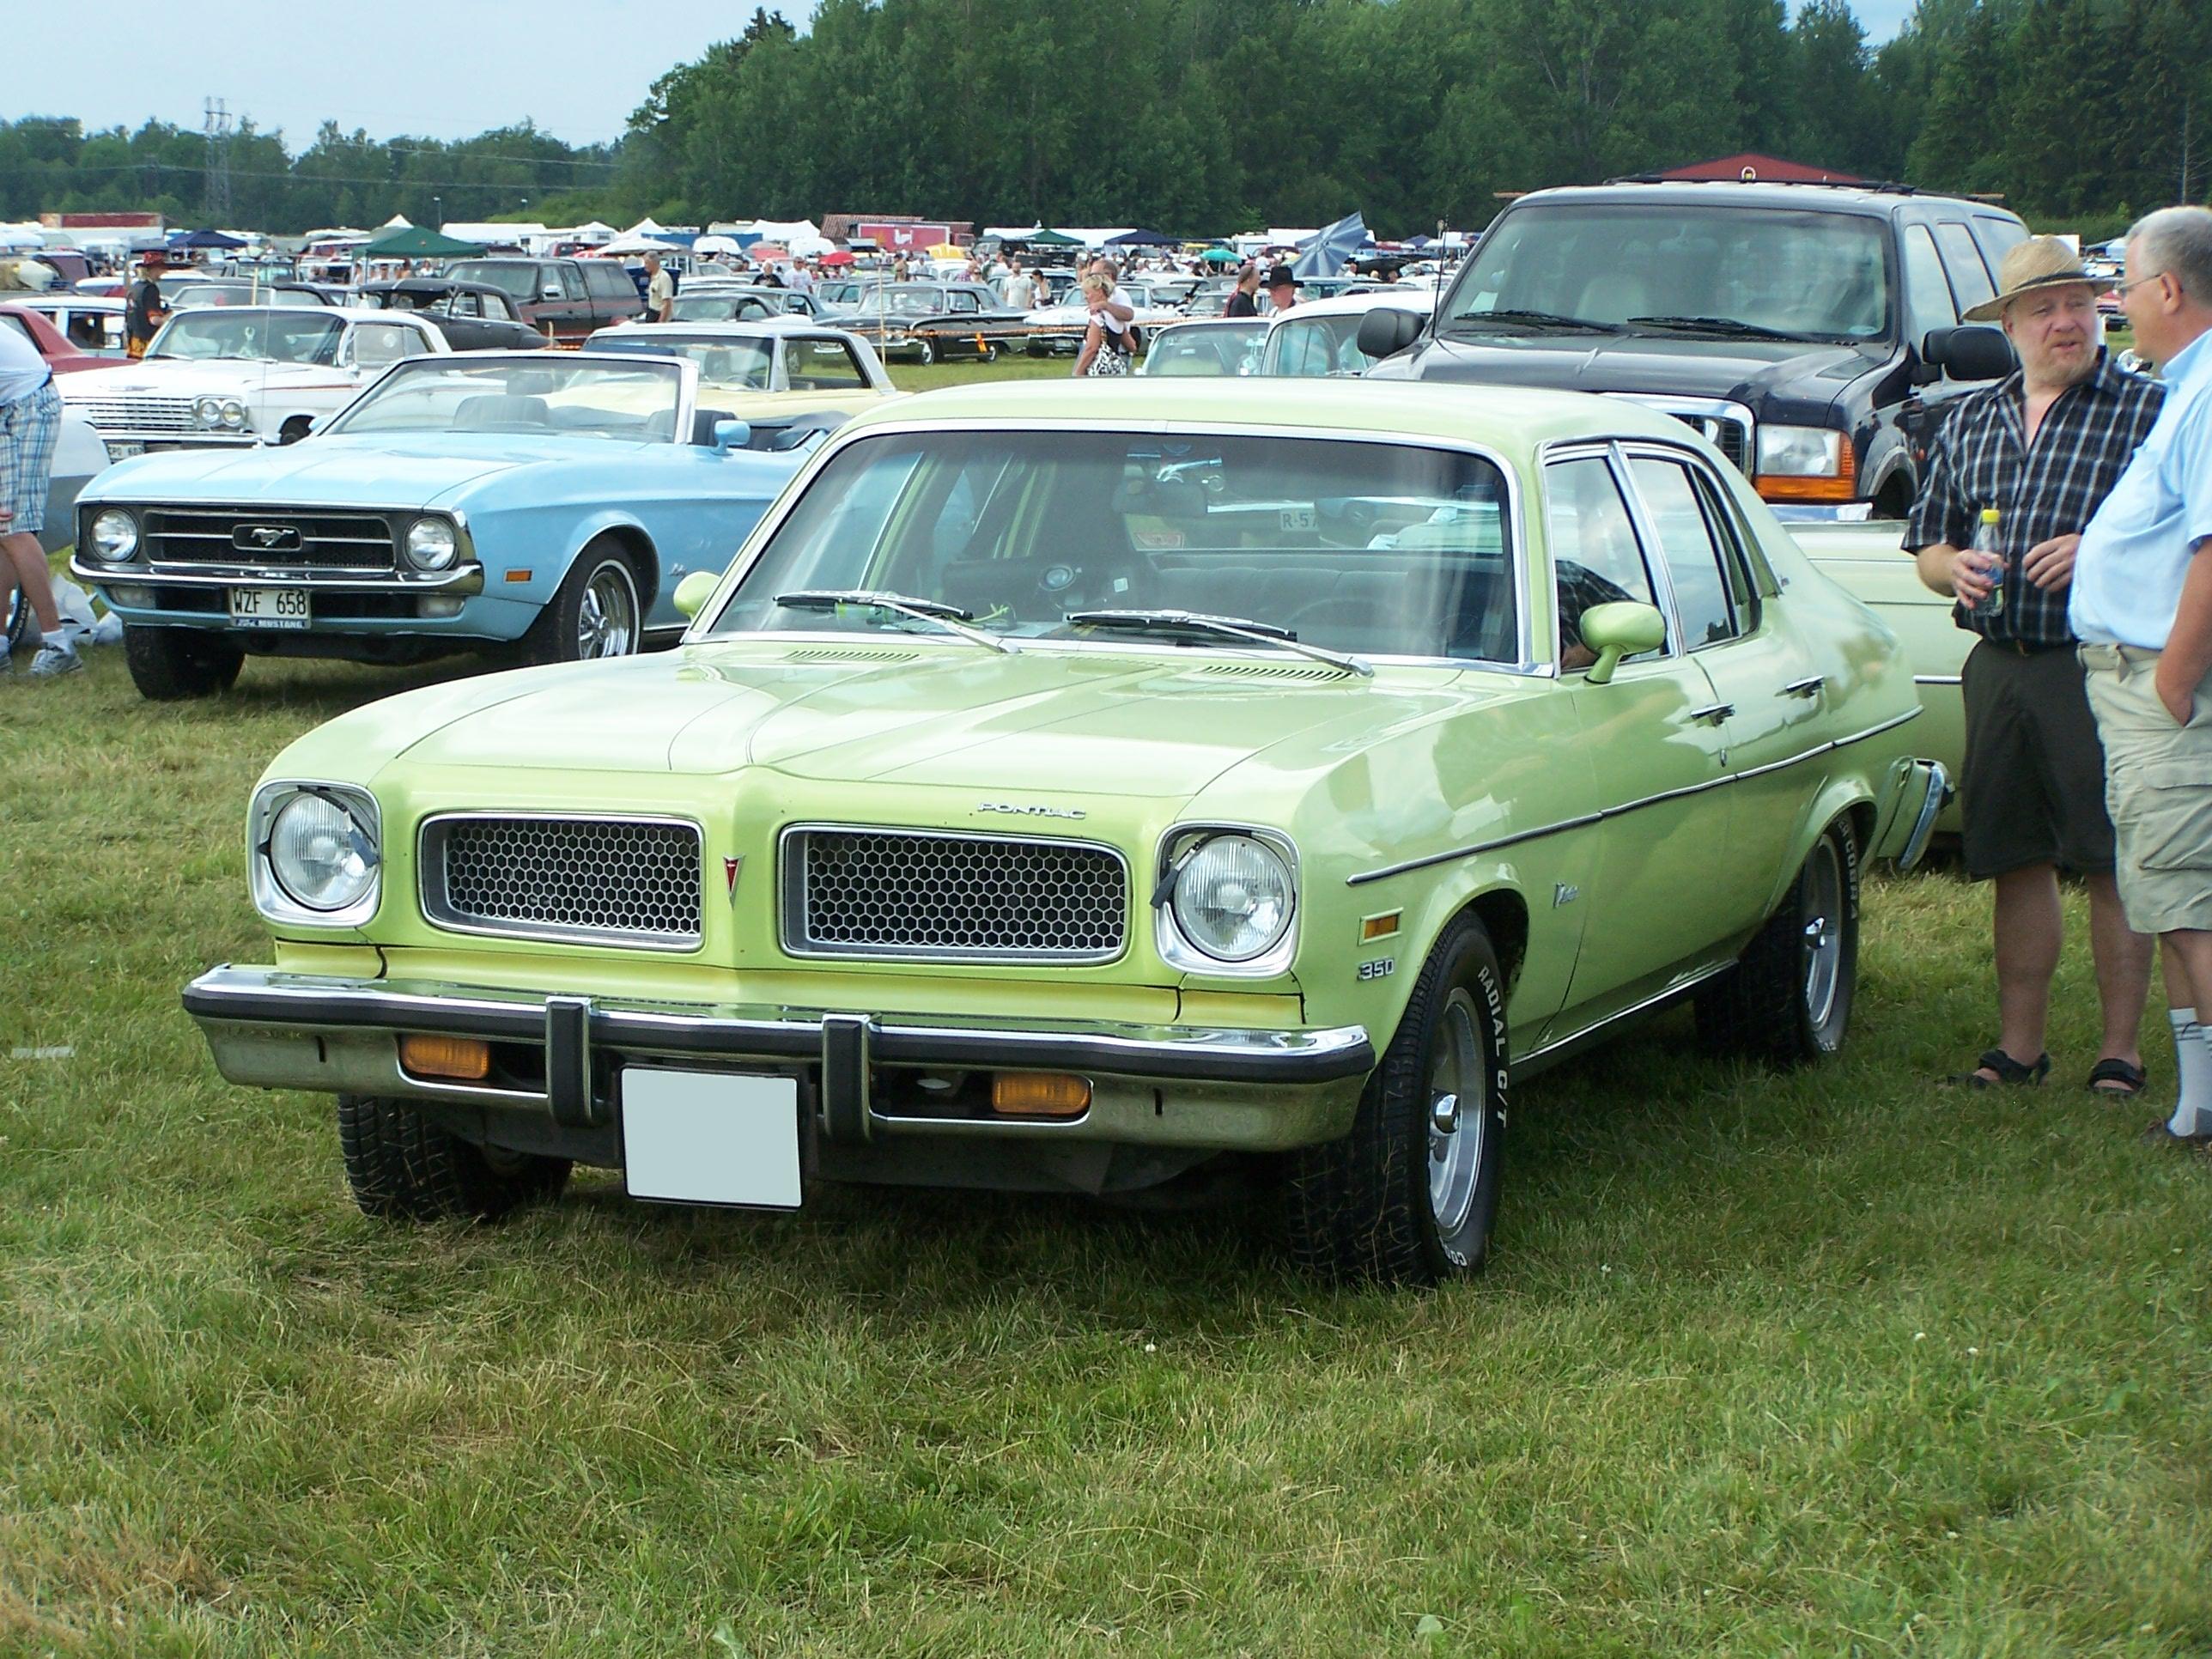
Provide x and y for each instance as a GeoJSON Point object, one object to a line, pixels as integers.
{"type": "Point", "coordinates": [622, 881]}
{"type": "Point", "coordinates": [907, 893]}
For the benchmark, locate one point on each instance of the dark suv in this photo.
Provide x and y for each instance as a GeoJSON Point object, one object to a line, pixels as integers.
{"type": "Point", "coordinates": [566, 298]}
{"type": "Point", "coordinates": [1809, 331]}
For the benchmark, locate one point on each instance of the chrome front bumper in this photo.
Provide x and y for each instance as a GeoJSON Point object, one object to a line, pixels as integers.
{"type": "Point", "coordinates": [1218, 1087]}
{"type": "Point", "coordinates": [463, 580]}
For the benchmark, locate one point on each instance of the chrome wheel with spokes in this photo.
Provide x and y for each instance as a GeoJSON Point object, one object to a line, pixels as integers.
{"type": "Point", "coordinates": [1823, 931]}
{"type": "Point", "coordinates": [597, 613]}
{"type": "Point", "coordinates": [606, 620]}
{"type": "Point", "coordinates": [1457, 1122]}
{"type": "Point", "coordinates": [1788, 999]}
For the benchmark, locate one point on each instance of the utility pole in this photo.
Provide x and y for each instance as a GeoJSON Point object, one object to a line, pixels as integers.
{"type": "Point", "coordinates": [2187, 110]}
{"type": "Point", "coordinates": [217, 187]}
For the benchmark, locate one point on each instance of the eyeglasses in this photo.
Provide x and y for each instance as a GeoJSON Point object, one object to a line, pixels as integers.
{"type": "Point", "coordinates": [2138, 281]}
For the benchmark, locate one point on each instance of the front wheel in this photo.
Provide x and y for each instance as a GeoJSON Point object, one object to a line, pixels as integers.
{"type": "Point", "coordinates": [1409, 1196]}
{"type": "Point", "coordinates": [403, 1167]}
{"type": "Point", "coordinates": [168, 665]}
{"type": "Point", "coordinates": [1788, 999]}
{"type": "Point", "coordinates": [595, 614]}
{"type": "Point", "coordinates": [925, 353]}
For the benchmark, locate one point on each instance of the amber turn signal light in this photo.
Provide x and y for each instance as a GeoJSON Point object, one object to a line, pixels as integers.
{"type": "Point", "coordinates": [1040, 1094]}
{"type": "Point", "coordinates": [1840, 486]}
{"type": "Point", "coordinates": [467, 1058]}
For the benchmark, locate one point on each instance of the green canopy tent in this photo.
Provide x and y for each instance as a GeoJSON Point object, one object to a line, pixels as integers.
{"type": "Point", "coordinates": [1051, 238]}
{"type": "Point", "coordinates": [415, 243]}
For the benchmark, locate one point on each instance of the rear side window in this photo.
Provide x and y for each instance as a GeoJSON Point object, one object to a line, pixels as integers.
{"type": "Point", "coordinates": [607, 281]}
{"type": "Point", "coordinates": [1705, 598]}
{"type": "Point", "coordinates": [1927, 290]}
{"type": "Point", "coordinates": [572, 281]}
{"type": "Point", "coordinates": [1970, 277]}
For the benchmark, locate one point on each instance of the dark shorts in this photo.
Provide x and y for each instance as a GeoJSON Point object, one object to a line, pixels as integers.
{"type": "Point", "coordinates": [2032, 787]}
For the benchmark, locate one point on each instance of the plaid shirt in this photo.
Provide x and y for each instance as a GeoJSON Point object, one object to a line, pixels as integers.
{"type": "Point", "coordinates": [1982, 459]}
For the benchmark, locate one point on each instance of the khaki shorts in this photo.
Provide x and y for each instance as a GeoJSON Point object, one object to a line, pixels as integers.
{"type": "Point", "coordinates": [2158, 787]}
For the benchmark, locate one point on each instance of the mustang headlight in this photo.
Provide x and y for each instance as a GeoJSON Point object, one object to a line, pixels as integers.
{"type": "Point", "coordinates": [114, 536]}
{"type": "Point", "coordinates": [1800, 452]}
{"type": "Point", "coordinates": [431, 543]}
{"type": "Point", "coordinates": [1233, 897]}
{"type": "Point", "coordinates": [316, 853]}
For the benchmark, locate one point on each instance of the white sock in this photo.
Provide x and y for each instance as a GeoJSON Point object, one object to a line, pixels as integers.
{"type": "Point", "coordinates": [2192, 1053]}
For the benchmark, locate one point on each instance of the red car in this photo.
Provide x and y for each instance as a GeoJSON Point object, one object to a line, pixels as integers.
{"type": "Point", "coordinates": [53, 346]}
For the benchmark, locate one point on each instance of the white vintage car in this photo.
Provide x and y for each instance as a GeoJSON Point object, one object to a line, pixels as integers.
{"type": "Point", "coordinates": [230, 376]}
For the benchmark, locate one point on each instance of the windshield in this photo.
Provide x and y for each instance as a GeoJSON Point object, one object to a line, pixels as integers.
{"type": "Point", "coordinates": [1314, 347]}
{"type": "Point", "coordinates": [910, 302]}
{"type": "Point", "coordinates": [518, 281]}
{"type": "Point", "coordinates": [276, 337]}
{"type": "Point", "coordinates": [1378, 548]}
{"type": "Point", "coordinates": [723, 305]}
{"type": "Point", "coordinates": [1219, 348]}
{"type": "Point", "coordinates": [1803, 275]}
{"type": "Point", "coordinates": [724, 364]}
{"type": "Point", "coordinates": [240, 294]}
{"type": "Point", "coordinates": [605, 400]}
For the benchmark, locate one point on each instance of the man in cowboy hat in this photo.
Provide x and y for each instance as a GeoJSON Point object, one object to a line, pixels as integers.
{"type": "Point", "coordinates": [2143, 608]}
{"type": "Point", "coordinates": [143, 313]}
{"type": "Point", "coordinates": [2043, 447]}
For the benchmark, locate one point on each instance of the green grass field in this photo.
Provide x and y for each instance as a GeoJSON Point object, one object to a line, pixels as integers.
{"type": "Point", "coordinates": [1819, 1363]}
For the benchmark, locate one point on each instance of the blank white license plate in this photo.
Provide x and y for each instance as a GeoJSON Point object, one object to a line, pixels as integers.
{"type": "Point", "coordinates": [710, 1138]}
{"type": "Point", "coordinates": [269, 607]}
{"type": "Point", "coordinates": [123, 450]}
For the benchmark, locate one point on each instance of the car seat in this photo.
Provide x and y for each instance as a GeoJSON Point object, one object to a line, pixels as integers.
{"type": "Point", "coordinates": [495, 409]}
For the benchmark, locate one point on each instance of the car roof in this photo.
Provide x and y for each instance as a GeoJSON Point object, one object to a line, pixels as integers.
{"type": "Point", "coordinates": [1419, 301]}
{"type": "Point", "coordinates": [1212, 322]}
{"type": "Point", "coordinates": [1511, 419]}
{"type": "Point", "coordinates": [1765, 193]}
{"type": "Point", "coordinates": [763, 328]}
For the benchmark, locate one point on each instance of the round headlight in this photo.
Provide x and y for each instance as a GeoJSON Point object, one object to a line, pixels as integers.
{"type": "Point", "coordinates": [430, 544]}
{"type": "Point", "coordinates": [1233, 898]}
{"type": "Point", "coordinates": [208, 411]}
{"type": "Point", "coordinates": [234, 414]}
{"type": "Point", "coordinates": [319, 854]}
{"type": "Point", "coordinates": [114, 536]}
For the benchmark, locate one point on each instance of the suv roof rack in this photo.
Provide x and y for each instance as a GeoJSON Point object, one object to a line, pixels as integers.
{"type": "Point", "coordinates": [1877, 187]}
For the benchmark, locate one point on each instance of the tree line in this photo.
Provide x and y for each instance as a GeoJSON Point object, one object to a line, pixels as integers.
{"type": "Point", "coordinates": [1195, 116]}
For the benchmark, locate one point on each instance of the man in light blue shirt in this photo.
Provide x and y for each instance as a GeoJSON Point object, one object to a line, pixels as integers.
{"type": "Point", "coordinates": [2143, 606]}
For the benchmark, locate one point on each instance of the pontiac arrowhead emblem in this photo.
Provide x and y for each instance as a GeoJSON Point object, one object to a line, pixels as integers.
{"type": "Point", "coordinates": [730, 868]}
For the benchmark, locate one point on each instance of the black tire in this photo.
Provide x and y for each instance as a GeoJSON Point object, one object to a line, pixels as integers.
{"type": "Point", "coordinates": [1368, 1206]}
{"type": "Point", "coordinates": [926, 352]}
{"type": "Point", "coordinates": [168, 665]}
{"type": "Point", "coordinates": [560, 634]}
{"type": "Point", "coordinates": [403, 1167]}
{"type": "Point", "coordinates": [990, 351]}
{"type": "Point", "coordinates": [19, 619]}
{"type": "Point", "coordinates": [1788, 999]}
{"type": "Point", "coordinates": [295, 428]}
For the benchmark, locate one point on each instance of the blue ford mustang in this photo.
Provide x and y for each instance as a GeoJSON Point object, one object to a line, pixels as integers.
{"type": "Point", "coordinates": [520, 500]}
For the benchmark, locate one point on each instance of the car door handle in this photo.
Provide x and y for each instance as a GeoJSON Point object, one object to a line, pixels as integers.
{"type": "Point", "coordinates": [1810, 686]}
{"type": "Point", "coordinates": [1715, 712]}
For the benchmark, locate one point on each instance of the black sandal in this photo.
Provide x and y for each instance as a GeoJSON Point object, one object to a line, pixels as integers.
{"type": "Point", "coordinates": [2131, 1079]}
{"type": "Point", "coordinates": [2010, 1072]}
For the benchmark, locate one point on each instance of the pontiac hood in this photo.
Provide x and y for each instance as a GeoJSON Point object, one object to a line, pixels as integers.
{"type": "Point", "coordinates": [1049, 723]}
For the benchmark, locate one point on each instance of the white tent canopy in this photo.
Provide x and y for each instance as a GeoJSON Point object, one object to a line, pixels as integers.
{"type": "Point", "coordinates": [630, 242]}
{"type": "Point", "coordinates": [398, 222]}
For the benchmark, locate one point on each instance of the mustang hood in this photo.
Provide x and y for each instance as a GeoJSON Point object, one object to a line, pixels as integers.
{"type": "Point", "coordinates": [401, 470]}
{"type": "Point", "coordinates": [1665, 365]}
{"type": "Point", "coordinates": [1051, 722]}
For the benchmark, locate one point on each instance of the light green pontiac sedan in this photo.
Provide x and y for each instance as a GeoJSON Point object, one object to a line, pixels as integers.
{"type": "Point", "coordinates": [1070, 785]}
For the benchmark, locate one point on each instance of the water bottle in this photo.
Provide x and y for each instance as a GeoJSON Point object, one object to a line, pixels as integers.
{"type": "Point", "coordinates": [1985, 544]}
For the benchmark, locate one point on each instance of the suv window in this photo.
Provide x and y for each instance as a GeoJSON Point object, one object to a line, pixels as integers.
{"type": "Point", "coordinates": [572, 281]}
{"type": "Point", "coordinates": [1970, 277]}
{"type": "Point", "coordinates": [1927, 291]}
{"type": "Point", "coordinates": [1595, 559]}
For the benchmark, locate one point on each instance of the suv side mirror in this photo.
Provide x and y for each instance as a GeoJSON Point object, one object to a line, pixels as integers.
{"type": "Point", "coordinates": [1973, 352]}
{"type": "Point", "coordinates": [1387, 330]}
{"type": "Point", "coordinates": [1619, 629]}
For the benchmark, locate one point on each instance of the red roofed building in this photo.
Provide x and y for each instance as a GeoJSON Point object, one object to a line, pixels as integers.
{"type": "Point", "coordinates": [1752, 166]}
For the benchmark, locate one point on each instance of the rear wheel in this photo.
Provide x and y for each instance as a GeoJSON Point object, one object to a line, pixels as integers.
{"type": "Point", "coordinates": [403, 1167]}
{"type": "Point", "coordinates": [1788, 999]}
{"type": "Point", "coordinates": [596, 614]}
{"type": "Point", "coordinates": [168, 665]}
{"type": "Point", "coordinates": [1409, 1196]}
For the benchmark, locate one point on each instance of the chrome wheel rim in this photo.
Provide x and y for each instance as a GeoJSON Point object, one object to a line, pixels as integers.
{"type": "Point", "coordinates": [606, 621]}
{"type": "Point", "coordinates": [1456, 1119]}
{"type": "Point", "coordinates": [1824, 932]}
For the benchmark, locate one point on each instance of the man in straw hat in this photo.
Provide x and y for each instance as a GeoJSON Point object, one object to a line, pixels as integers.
{"type": "Point", "coordinates": [2143, 604]}
{"type": "Point", "coordinates": [2043, 447]}
{"type": "Point", "coordinates": [143, 313]}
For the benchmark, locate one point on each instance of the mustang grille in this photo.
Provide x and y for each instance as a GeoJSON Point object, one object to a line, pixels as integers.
{"type": "Point", "coordinates": [140, 415]}
{"type": "Point", "coordinates": [611, 880]}
{"type": "Point", "coordinates": [269, 537]}
{"type": "Point", "coordinates": [911, 893]}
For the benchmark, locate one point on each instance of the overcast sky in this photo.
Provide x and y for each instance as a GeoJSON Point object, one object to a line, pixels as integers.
{"type": "Point", "coordinates": [577, 67]}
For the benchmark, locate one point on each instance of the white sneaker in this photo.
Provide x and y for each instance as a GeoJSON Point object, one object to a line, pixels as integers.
{"type": "Point", "coordinates": [55, 658]}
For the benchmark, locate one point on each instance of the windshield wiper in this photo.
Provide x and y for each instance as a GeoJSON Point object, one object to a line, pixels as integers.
{"type": "Point", "coordinates": [1724, 326]}
{"type": "Point", "coordinates": [949, 618]}
{"type": "Point", "coordinates": [1536, 320]}
{"type": "Point", "coordinates": [1235, 627]}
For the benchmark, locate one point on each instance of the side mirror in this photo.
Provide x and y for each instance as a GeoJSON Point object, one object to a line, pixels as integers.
{"type": "Point", "coordinates": [1387, 330]}
{"type": "Point", "coordinates": [1974, 352]}
{"type": "Point", "coordinates": [1618, 630]}
{"type": "Point", "coordinates": [732, 434]}
{"type": "Point", "coordinates": [695, 590]}
{"type": "Point", "coordinates": [549, 293]}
